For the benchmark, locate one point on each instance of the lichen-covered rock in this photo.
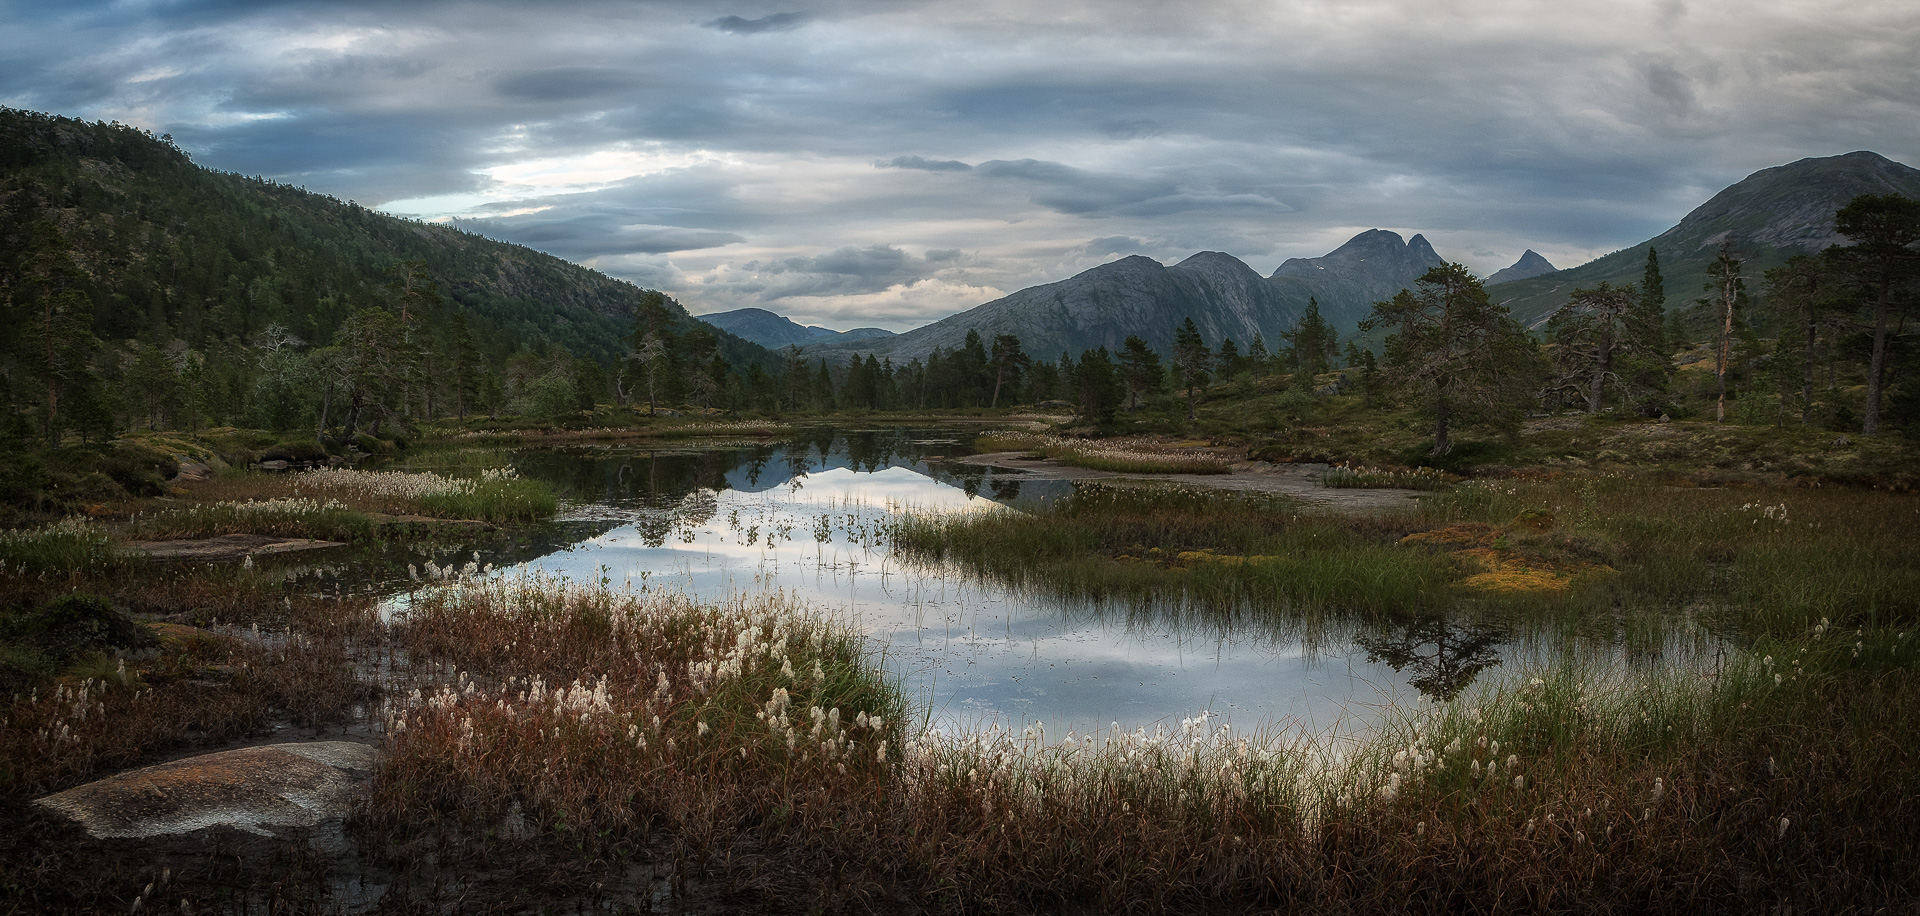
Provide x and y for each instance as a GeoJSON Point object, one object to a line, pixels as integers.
{"type": "Point", "coordinates": [252, 789]}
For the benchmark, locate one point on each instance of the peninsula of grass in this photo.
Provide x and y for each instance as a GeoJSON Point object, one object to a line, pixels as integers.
{"type": "Point", "coordinates": [1114, 457]}
{"type": "Point", "coordinates": [1755, 561]}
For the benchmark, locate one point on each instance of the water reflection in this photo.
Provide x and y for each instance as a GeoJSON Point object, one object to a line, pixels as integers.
{"type": "Point", "coordinates": [806, 516]}
{"type": "Point", "coordinates": [1442, 655]}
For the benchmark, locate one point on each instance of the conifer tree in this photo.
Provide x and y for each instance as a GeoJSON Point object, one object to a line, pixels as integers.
{"type": "Point", "coordinates": [1884, 258]}
{"type": "Point", "coordinates": [1191, 360]}
{"type": "Point", "coordinates": [1140, 369]}
{"type": "Point", "coordinates": [1457, 350]}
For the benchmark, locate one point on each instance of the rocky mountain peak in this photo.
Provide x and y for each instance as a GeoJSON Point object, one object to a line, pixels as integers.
{"type": "Point", "coordinates": [1530, 264]}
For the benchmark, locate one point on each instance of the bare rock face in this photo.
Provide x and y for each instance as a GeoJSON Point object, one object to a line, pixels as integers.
{"type": "Point", "coordinates": [251, 789]}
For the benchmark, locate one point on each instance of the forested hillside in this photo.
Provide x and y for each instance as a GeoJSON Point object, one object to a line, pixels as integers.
{"type": "Point", "coordinates": [139, 286]}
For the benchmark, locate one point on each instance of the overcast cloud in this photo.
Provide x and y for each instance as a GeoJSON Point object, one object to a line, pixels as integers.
{"type": "Point", "coordinates": [887, 163]}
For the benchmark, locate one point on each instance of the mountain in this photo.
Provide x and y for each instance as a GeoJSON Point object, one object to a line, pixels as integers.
{"type": "Point", "coordinates": [1530, 264]}
{"type": "Point", "coordinates": [1138, 295]}
{"type": "Point", "coordinates": [775, 331]}
{"type": "Point", "coordinates": [1370, 267]}
{"type": "Point", "coordinates": [1102, 306]}
{"type": "Point", "coordinates": [172, 252]}
{"type": "Point", "coordinates": [765, 328]}
{"type": "Point", "coordinates": [1769, 216]}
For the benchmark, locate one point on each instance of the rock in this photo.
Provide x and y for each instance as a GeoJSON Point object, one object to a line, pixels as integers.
{"type": "Point", "coordinates": [193, 471]}
{"type": "Point", "coordinates": [276, 464]}
{"type": "Point", "coordinates": [664, 412]}
{"type": "Point", "coordinates": [252, 789]}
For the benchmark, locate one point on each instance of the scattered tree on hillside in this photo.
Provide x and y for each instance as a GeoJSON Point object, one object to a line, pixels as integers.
{"type": "Point", "coordinates": [1595, 334]}
{"type": "Point", "coordinates": [1311, 346]}
{"type": "Point", "coordinates": [1799, 293]}
{"type": "Point", "coordinates": [1257, 356]}
{"type": "Point", "coordinates": [1008, 363]}
{"type": "Point", "coordinates": [1884, 258]}
{"type": "Point", "coordinates": [1191, 360]}
{"type": "Point", "coordinates": [1729, 290]}
{"type": "Point", "coordinates": [1097, 387]}
{"type": "Point", "coordinates": [1140, 369]}
{"type": "Point", "coordinates": [1457, 349]}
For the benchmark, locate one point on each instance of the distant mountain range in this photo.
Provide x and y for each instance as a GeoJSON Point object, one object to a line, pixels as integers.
{"type": "Point", "coordinates": [1769, 216]}
{"type": "Point", "coordinates": [776, 331]}
{"type": "Point", "coordinates": [1138, 295]}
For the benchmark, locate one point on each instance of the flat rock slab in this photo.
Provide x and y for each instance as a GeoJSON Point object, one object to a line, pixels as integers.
{"type": "Point", "coordinates": [226, 547]}
{"type": "Point", "coordinates": [251, 789]}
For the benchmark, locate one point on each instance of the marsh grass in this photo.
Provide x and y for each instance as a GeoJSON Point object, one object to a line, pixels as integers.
{"type": "Point", "coordinates": [72, 544]}
{"type": "Point", "coordinates": [283, 517]}
{"type": "Point", "coordinates": [1765, 561]}
{"type": "Point", "coordinates": [1223, 551]}
{"type": "Point", "coordinates": [647, 727]}
{"type": "Point", "coordinates": [1347, 476]}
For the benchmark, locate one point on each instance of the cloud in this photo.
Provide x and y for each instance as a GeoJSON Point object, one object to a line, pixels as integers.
{"type": "Point", "coordinates": [924, 164]}
{"type": "Point", "coordinates": [777, 22]}
{"type": "Point", "coordinates": [843, 271]}
{"type": "Point", "coordinates": [666, 147]}
{"type": "Point", "coordinates": [1113, 244]}
{"type": "Point", "coordinates": [562, 84]}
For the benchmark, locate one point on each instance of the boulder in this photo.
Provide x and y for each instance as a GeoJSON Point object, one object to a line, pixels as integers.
{"type": "Point", "coordinates": [253, 789]}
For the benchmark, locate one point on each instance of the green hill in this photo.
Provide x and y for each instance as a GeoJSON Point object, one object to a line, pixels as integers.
{"type": "Point", "coordinates": [1769, 216]}
{"type": "Point", "coordinates": [186, 259]}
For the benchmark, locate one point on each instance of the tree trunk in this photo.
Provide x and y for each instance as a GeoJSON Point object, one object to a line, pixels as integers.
{"type": "Point", "coordinates": [1877, 368]}
{"type": "Point", "coordinates": [1597, 388]}
{"type": "Point", "coordinates": [1726, 354]}
{"type": "Point", "coordinates": [1806, 376]}
{"type": "Point", "coordinates": [1442, 431]}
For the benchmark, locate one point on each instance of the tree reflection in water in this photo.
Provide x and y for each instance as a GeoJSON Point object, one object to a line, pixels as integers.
{"type": "Point", "coordinates": [1443, 655]}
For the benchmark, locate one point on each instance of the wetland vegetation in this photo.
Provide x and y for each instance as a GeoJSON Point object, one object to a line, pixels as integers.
{"type": "Point", "coordinates": [602, 746]}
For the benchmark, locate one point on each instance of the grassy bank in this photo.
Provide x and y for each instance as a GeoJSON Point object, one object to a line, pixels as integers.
{"type": "Point", "coordinates": [1117, 457]}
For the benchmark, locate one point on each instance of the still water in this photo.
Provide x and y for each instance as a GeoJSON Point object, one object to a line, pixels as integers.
{"type": "Point", "coordinates": [805, 516]}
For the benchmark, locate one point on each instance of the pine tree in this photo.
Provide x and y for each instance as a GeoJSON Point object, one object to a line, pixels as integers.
{"type": "Point", "coordinates": [1885, 254]}
{"type": "Point", "coordinates": [1596, 334]}
{"type": "Point", "coordinates": [1311, 346]}
{"type": "Point", "coordinates": [1457, 349]}
{"type": "Point", "coordinates": [1140, 368]}
{"type": "Point", "coordinates": [1191, 359]}
{"type": "Point", "coordinates": [1009, 363]}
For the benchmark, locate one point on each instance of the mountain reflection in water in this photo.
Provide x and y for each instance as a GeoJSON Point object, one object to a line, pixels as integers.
{"type": "Point", "coordinates": [807, 517]}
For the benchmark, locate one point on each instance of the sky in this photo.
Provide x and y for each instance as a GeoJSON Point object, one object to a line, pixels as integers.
{"type": "Point", "coordinates": [885, 163]}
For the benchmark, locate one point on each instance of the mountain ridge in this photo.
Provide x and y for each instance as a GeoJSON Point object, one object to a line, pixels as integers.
{"type": "Point", "coordinates": [1769, 216]}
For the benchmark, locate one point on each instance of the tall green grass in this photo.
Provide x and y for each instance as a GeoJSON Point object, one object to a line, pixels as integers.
{"type": "Point", "coordinates": [1219, 550]}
